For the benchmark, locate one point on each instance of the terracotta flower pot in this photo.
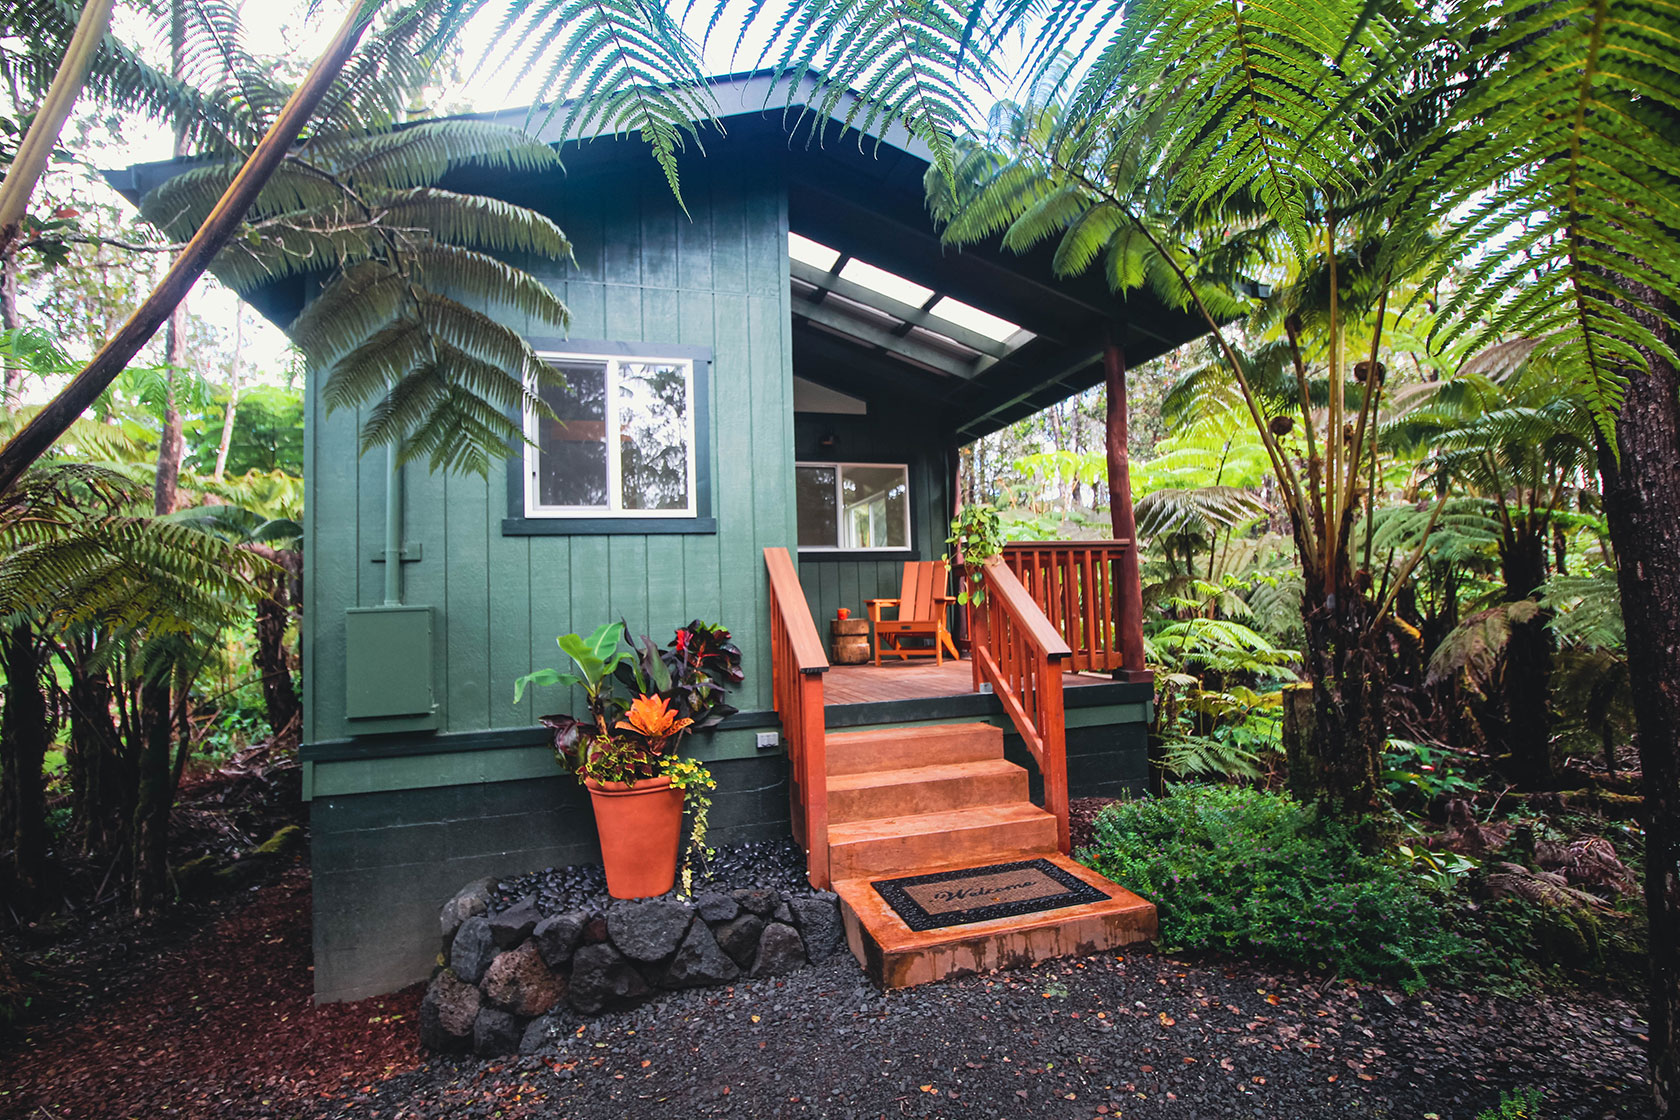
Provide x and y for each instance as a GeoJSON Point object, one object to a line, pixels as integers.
{"type": "Point", "coordinates": [639, 828]}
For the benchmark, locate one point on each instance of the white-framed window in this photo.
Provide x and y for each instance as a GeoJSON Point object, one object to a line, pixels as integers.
{"type": "Point", "coordinates": [853, 506]}
{"type": "Point", "coordinates": [621, 442]}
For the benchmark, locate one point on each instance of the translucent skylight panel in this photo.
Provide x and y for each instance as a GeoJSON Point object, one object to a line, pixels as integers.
{"type": "Point", "coordinates": [813, 253]}
{"type": "Point", "coordinates": [889, 284]}
{"type": "Point", "coordinates": [974, 319]}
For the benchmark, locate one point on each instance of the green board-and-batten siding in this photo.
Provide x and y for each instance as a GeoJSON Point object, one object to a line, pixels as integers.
{"type": "Point", "coordinates": [644, 272]}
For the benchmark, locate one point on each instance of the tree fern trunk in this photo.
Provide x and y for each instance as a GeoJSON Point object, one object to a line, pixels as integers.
{"type": "Point", "coordinates": [273, 614]}
{"type": "Point", "coordinates": [1642, 506]}
{"type": "Point", "coordinates": [156, 797]}
{"type": "Point", "coordinates": [100, 801]}
{"type": "Point", "coordinates": [24, 735]}
{"type": "Point", "coordinates": [1348, 667]}
{"type": "Point", "coordinates": [1528, 669]}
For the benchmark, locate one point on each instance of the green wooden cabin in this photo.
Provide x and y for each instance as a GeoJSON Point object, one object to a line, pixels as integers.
{"type": "Point", "coordinates": [807, 394]}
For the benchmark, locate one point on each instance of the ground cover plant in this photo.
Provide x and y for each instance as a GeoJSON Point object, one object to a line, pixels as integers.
{"type": "Point", "coordinates": [1258, 873]}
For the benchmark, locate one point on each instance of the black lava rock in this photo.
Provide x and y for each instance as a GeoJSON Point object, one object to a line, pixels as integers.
{"type": "Point", "coordinates": [515, 924]}
{"type": "Point", "coordinates": [698, 962]}
{"type": "Point", "coordinates": [779, 951]}
{"type": "Point", "coordinates": [557, 937]}
{"type": "Point", "coordinates": [739, 938]}
{"type": "Point", "coordinates": [820, 925]}
{"type": "Point", "coordinates": [648, 931]}
{"type": "Point", "coordinates": [757, 901]}
{"type": "Point", "coordinates": [540, 1033]}
{"type": "Point", "coordinates": [496, 1032]}
{"type": "Point", "coordinates": [602, 978]}
{"type": "Point", "coordinates": [716, 907]}
{"type": "Point", "coordinates": [447, 1013]}
{"type": "Point", "coordinates": [469, 901]}
{"type": "Point", "coordinates": [472, 950]}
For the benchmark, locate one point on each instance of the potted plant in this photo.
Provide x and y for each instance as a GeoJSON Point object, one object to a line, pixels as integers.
{"type": "Point", "coordinates": [640, 705]}
{"type": "Point", "coordinates": [976, 536]}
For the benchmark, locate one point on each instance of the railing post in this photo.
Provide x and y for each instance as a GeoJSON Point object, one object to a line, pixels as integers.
{"type": "Point", "coordinates": [1053, 728]}
{"type": "Point", "coordinates": [796, 667]}
{"type": "Point", "coordinates": [812, 735]}
{"type": "Point", "coordinates": [979, 634]}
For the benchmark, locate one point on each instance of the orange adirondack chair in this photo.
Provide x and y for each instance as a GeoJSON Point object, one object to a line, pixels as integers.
{"type": "Point", "coordinates": [920, 613]}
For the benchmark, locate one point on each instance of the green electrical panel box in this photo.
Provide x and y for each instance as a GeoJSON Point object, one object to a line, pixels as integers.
{"type": "Point", "coordinates": [388, 662]}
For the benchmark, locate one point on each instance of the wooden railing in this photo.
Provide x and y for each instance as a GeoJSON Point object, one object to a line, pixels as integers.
{"type": "Point", "coordinates": [1081, 588]}
{"type": "Point", "coordinates": [797, 665]}
{"type": "Point", "coordinates": [1021, 656]}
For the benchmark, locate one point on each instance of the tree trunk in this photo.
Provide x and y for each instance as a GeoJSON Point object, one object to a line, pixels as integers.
{"type": "Point", "coordinates": [156, 796]}
{"type": "Point", "coordinates": [233, 394]}
{"type": "Point", "coordinates": [273, 613]}
{"type": "Point", "coordinates": [98, 787]}
{"type": "Point", "coordinates": [1642, 507]}
{"type": "Point", "coordinates": [24, 734]}
{"type": "Point", "coordinates": [1348, 667]}
{"type": "Point", "coordinates": [9, 321]}
{"type": "Point", "coordinates": [1527, 683]}
{"type": "Point", "coordinates": [166, 491]}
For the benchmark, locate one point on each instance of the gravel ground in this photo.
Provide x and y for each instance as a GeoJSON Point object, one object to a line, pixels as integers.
{"type": "Point", "coordinates": [776, 864]}
{"type": "Point", "coordinates": [219, 1025]}
{"type": "Point", "coordinates": [1131, 1035]}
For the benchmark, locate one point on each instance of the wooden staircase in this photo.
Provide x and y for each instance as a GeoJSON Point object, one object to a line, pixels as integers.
{"type": "Point", "coordinates": [907, 801]}
{"type": "Point", "coordinates": [893, 802]}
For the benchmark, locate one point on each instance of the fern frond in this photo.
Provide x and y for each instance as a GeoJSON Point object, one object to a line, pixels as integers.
{"type": "Point", "coordinates": [1558, 173]}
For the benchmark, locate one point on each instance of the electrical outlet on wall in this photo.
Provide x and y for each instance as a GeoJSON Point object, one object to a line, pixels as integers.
{"type": "Point", "coordinates": [768, 740]}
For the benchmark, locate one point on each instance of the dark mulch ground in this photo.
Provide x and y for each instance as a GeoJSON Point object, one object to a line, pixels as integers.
{"type": "Point", "coordinates": [221, 1024]}
{"type": "Point", "coordinates": [216, 1023]}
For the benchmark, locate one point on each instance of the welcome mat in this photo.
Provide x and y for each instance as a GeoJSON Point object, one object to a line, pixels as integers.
{"type": "Point", "coordinates": [979, 894]}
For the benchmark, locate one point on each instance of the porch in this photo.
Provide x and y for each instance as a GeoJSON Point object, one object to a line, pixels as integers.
{"type": "Point", "coordinates": [901, 773]}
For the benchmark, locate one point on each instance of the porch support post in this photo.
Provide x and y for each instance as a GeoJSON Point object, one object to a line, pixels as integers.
{"type": "Point", "coordinates": [1124, 524]}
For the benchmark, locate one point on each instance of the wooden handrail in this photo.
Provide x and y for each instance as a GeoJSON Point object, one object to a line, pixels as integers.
{"type": "Point", "coordinates": [797, 665]}
{"type": "Point", "coordinates": [1021, 655]}
{"type": "Point", "coordinates": [1083, 587]}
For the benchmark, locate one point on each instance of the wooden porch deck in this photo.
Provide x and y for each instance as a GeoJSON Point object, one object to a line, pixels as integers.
{"type": "Point", "coordinates": [910, 680]}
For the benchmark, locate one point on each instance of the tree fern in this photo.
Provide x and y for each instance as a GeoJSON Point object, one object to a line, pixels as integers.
{"type": "Point", "coordinates": [412, 321]}
{"type": "Point", "coordinates": [1555, 176]}
{"type": "Point", "coordinates": [615, 66]}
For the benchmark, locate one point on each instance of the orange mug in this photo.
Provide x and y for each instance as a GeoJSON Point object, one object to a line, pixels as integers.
{"type": "Point", "coordinates": [842, 613]}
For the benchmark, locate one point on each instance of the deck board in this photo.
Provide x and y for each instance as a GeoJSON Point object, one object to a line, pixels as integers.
{"type": "Point", "coordinates": [866, 684]}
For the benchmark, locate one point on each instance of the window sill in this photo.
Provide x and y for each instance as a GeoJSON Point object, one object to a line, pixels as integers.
{"type": "Point", "coordinates": [604, 526]}
{"type": "Point", "coordinates": [829, 555]}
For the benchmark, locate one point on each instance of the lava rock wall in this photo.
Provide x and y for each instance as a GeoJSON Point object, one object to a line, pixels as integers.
{"type": "Point", "coordinates": [505, 977]}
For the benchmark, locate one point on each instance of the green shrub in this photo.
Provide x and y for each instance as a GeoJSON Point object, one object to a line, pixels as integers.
{"type": "Point", "coordinates": [1246, 871]}
{"type": "Point", "coordinates": [1524, 1104]}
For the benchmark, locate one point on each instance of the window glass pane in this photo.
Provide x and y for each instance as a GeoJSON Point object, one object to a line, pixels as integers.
{"type": "Point", "coordinates": [653, 435]}
{"type": "Point", "coordinates": [572, 449]}
{"type": "Point", "coordinates": [817, 515]}
{"type": "Point", "coordinates": [877, 507]}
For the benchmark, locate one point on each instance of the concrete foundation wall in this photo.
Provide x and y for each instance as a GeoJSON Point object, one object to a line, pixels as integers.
{"type": "Point", "coordinates": [384, 862]}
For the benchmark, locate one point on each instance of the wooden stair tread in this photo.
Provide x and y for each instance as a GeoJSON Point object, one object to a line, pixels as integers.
{"type": "Point", "coordinates": [896, 956]}
{"type": "Point", "coordinates": [926, 824]}
{"type": "Point", "coordinates": [851, 752]}
{"type": "Point", "coordinates": [905, 775]}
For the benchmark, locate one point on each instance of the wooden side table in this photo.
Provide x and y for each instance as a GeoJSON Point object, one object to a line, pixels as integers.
{"type": "Point", "coordinates": [850, 640]}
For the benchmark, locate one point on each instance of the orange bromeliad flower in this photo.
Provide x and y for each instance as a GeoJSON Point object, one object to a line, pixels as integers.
{"type": "Point", "coordinates": [653, 719]}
